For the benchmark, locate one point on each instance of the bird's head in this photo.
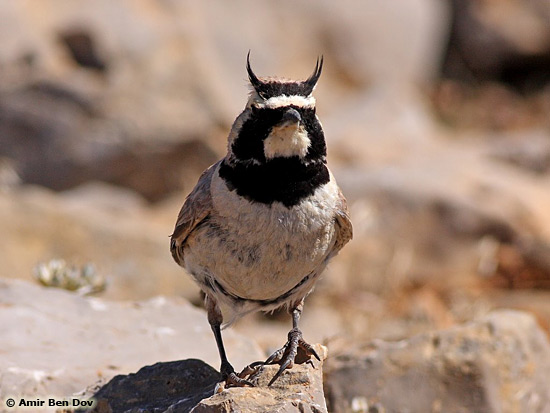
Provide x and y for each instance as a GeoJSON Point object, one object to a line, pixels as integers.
{"type": "Point", "coordinates": [279, 121]}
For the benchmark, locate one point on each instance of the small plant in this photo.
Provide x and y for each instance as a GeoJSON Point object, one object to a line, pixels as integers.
{"type": "Point", "coordinates": [57, 273]}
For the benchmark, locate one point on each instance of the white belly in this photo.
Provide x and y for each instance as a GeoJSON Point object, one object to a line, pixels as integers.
{"type": "Point", "coordinates": [260, 252]}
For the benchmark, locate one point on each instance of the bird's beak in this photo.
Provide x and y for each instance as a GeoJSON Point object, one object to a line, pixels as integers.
{"type": "Point", "coordinates": [291, 116]}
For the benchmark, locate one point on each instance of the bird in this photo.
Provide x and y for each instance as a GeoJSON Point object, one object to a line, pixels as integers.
{"type": "Point", "coordinates": [263, 222]}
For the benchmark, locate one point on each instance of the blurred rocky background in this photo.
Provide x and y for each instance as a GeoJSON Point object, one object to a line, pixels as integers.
{"type": "Point", "coordinates": [437, 120]}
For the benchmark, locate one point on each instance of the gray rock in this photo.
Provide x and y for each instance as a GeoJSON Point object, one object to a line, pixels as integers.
{"type": "Point", "coordinates": [497, 364]}
{"type": "Point", "coordinates": [174, 386]}
{"type": "Point", "coordinates": [57, 343]}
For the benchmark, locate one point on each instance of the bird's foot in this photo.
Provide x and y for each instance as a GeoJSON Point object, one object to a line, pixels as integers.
{"type": "Point", "coordinates": [232, 379]}
{"type": "Point", "coordinates": [286, 355]}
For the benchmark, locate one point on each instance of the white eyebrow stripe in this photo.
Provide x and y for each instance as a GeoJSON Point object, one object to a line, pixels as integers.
{"type": "Point", "coordinates": [285, 100]}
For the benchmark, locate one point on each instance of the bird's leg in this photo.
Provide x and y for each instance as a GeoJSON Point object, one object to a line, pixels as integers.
{"type": "Point", "coordinates": [215, 318]}
{"type": "Point", "coordinates": [285, 355]}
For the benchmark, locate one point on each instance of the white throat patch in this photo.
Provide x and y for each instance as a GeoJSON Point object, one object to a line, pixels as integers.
{"type": "Point", "coordinates": [287, 140]}
{"type": "Point", "coordinates": [282, 100]}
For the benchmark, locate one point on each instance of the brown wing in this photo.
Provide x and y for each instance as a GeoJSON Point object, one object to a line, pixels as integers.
{"type": "Point", "coordinates": [197, 208]}
{"type": "Point", "coordinates": [344, 229]}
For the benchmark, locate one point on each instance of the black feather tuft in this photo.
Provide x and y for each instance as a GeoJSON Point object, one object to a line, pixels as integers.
{"type": "Point", "coordinates": [254, 81]}
{"type": "Point", "coordinates": [277, 88]}
{"type": "Point", "coordinates": [311, 81]}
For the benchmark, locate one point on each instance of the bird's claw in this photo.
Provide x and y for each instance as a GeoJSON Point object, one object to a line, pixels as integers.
{"type": "Point", "coordinates": [235, 380]}
{"type": "Point", "coordinates": [286, 355]}
{"type": "Point", "coordinates": [232, 379]}
{"type": "Point", "coordinates": [251, 369]}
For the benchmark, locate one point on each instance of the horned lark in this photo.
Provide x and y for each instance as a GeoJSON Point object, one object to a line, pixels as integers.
{"type": "Point", "coordinates": [262, 223]}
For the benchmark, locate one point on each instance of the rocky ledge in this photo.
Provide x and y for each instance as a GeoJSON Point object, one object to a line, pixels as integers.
{"type": "Point", "coordinates": [193, 386]}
